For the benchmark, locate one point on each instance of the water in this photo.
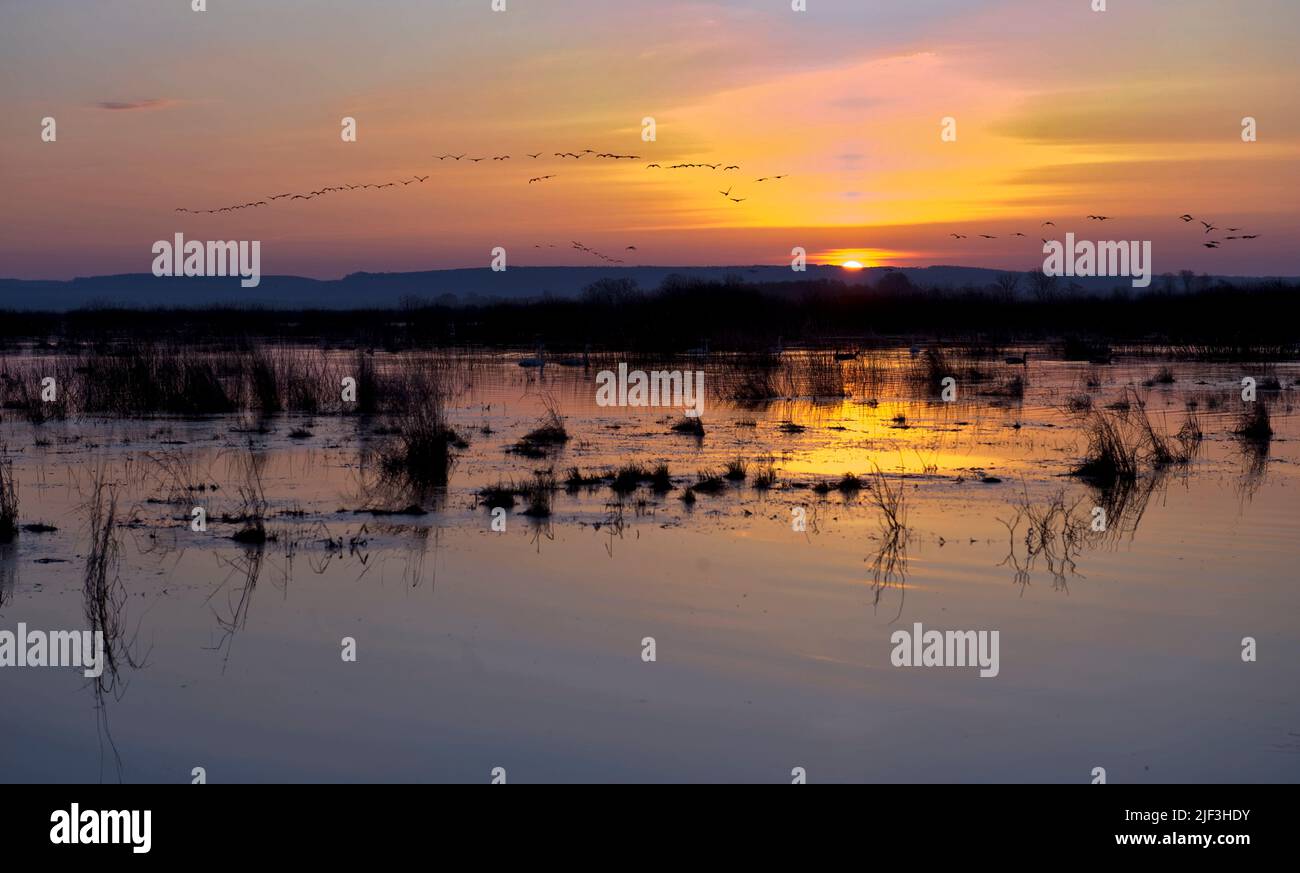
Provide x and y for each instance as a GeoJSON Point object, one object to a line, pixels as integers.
{"type": "Point", "coordinates": [523, 649]}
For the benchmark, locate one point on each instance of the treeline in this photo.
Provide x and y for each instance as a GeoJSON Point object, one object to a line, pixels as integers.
{"type": "Point", "coordinates": [684, 313]}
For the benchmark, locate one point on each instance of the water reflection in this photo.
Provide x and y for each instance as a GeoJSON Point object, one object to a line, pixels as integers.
{"type": "Point", "coordinates": [8, 572]}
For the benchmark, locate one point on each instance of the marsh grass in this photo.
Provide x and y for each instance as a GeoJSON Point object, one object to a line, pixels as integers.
{"type": "Point", "coordinates": [690, 425]}
{"type": "Point", "coordinates": [1078, 404]}
{"type": "Point", "coordinates": [849, 484]}
{"type": "Point", "coordinates": [538, 493]}
{"type": "Point", "coordinates": [817, 374]}
{"type": "Point", "coordinates": [628, 478]}
{"type": "Point", "coordinates": [1163, 376]}
{"type": "Point", "coordinates": [930, 369]}
{"type": "Point", "coordinates": [1055, 532]}
{"type": "Point", "coordinates": [140, 377]}
{"type": "Point", "coordinates": [1255, 424]}
{"type": "Point", "coordinates": [765, 474]}
{"type": "Point", "coordinates": [176, 473]}
{"type": "Point", "coordinates": [104, 595]}
{"type": "Point", "coordinates": [551, 430]}
{"type": "Point", "coordinates": [576, 480]}
{"type": "Point", "coordinates": [708, 482]}
{"type": "Point", "coordinates": [498, 496]}
{"type": "Point", "coordinates": [1113, 453]}
{"type": "Point", "coordinates": [420, 452]}
{"type": "Point", "coordinates": [661, 481]}
{"type": "Point", "coordinates": [888, 565]}
{"type": "Point", "coordinates": [549, 434]}
{"type": "Point", "coordinates": [1123, 442]}
{"type": "Point", "coordinates": [252, 499]}
{"type": "Point", "coordinates": [8, 498]}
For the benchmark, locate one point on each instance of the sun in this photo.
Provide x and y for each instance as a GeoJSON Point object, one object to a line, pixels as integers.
{"type": "Point", "coordinates": [852, 265]}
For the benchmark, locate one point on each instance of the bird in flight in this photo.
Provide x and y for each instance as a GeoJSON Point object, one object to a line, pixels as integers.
{"type": "Point", "coordinates": [1211, 245]}
{"type": "Point", "coordinates": [653, 167]}
{"type": "Point", "coordinates": [502, 158]}
{"type": "Point", "coordinates": [476, 160]}
{"type": "Point", "coordinates": [738, 199]}
{"type": "Point", "coordinates": [957, 235]}
{"type": "Point", "coordinates": [1017, 234]}
{"type": "Point", "coordinates": [986, 236]}
{"type": "Point", "coordinates": [1100, 217]}
{"type": "Point", "coordinates": [727, 193]}
{"type": "Point", "coordinates": [1049, 224]}
{"type": "Point", "coordinates": [732, 167]}
{"type": "Point", "coordinates": [1186, 218]}
{"type": "Point", "coordinates": [534, 157]}
{"type": "Point", "coordinates": [540, 179]}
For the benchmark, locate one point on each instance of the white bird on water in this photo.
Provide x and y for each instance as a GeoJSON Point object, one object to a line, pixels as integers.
{"type": "Point", "coordinates": [538, 361]}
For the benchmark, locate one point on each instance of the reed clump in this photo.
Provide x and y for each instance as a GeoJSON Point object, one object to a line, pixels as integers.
{"type": "Point", "coordinates": [8, 498]}
{"type": "Point", "coordinates": [538, 493]}
{"type": "Point", "coordinates": [1255, 424]}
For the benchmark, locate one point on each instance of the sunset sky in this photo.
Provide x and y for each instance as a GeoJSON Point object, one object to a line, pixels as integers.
{"type": "Point", "coordinates": [1061, 112]}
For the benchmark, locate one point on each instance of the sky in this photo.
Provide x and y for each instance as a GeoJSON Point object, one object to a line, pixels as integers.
{"type": "Point", "coordinates": [1060, 112]}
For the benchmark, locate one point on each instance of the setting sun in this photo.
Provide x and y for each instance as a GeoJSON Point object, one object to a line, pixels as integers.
{"type": "Point", "coordinates": [852, 265]}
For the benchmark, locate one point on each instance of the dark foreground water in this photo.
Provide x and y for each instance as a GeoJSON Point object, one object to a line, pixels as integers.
{"type": "Point", "coordinates": [523, 649]}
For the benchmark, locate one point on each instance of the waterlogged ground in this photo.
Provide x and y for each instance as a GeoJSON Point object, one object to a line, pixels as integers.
{"type": "Point", "coordinates": [522, 649]}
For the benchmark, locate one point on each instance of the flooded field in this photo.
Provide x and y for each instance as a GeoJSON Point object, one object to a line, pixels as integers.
{"type": "Point", "coordinates": [766, 568]}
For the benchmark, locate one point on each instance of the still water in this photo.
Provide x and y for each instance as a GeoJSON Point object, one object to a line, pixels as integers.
{"type": "Point", "coordinates": [523, 649]}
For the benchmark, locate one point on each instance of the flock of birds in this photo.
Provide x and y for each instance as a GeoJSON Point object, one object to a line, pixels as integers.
{"type": "Point", "coordinates": [577, 246]}
{"type": "Point", "coordinates": [1186, 218]}
{"type": "Point", "coordinates": [729, 194]}
{"type": "Point", "coordinates": [1210, 228]}
{"type": "Point", "coordinates": [305, 195]}
{"type": "Point", "coordinates": [563, 156]}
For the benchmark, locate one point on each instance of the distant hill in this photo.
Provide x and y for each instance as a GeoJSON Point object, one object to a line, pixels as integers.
{"type": "Point", "coordinates": [383, 290]}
